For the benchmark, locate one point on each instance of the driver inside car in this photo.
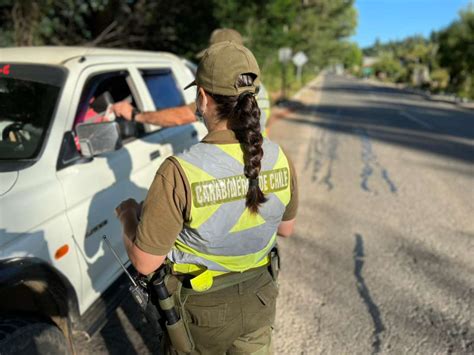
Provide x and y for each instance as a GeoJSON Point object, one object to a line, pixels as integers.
{"type": "Point", "coordinates": [92, 116]}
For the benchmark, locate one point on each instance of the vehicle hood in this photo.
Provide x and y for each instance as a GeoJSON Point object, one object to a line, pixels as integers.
{"type": "Point", "coordinates": [7, 181]}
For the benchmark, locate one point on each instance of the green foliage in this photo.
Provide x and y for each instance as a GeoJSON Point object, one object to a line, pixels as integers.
{"type": "Point", "coordinates": [389, 68]}
{"type": "Point", "coordinates": [317, 27]}
{"type": "Point", "coordinates": [6, 38]}
{"type": "Point", "coordinates": [448, 54]}
{"type": "Point", "coordinates": [351, 56]}
{"type": "Point", "coordinates": [325, 24]}
{"type": "Point", "coordinates": [440, 79]}
{"type": "Point", "coordinates": [456, 52]}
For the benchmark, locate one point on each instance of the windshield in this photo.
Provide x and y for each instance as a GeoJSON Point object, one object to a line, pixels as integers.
{"type": "Point", "coordinates": [28, 97]}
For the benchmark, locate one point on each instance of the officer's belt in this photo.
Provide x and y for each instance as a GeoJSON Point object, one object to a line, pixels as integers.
{"type": "Point", "coordinates": [228, 280]}
{"type": "Point", "coordinates": [204, 278]}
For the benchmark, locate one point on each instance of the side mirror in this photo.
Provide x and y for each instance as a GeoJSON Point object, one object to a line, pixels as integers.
{"type": "Point", "coordinates": [98, 138]}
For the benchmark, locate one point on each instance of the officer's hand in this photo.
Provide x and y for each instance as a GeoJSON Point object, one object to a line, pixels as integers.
{"type": "Point", "coordinates": [128, 206]}
{"type": "Point", "coordinates": [123, 109]}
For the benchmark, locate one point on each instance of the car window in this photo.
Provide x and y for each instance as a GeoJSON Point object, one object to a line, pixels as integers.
{"type": "Point", "coordinates": [99, 93]}
{"type": "Point", "coordinates": [28, 98]}
{"type": "Point", "coordinates": [163, 88]}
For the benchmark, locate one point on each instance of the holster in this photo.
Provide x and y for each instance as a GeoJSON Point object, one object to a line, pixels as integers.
{"type": "Point", "coordinates": [177, 334]}
{"type": "Point", "coordinates": [274, 266]}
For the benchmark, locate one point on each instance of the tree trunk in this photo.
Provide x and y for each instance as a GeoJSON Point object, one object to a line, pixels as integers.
{"type": "Point", "coordinates": [25, 16]}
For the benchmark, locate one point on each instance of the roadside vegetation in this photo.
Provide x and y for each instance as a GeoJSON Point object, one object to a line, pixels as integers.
{"type": "Point", "coordinates": [319, 28]}
{"type": "Point", "coordinates": [443, 63]}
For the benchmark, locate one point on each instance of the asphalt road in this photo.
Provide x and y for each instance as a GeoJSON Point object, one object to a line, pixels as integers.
{"type": "Point", "coordinates": [382, 260]}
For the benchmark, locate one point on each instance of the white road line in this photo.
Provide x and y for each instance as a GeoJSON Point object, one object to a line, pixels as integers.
{"type": "Point", "coordinates": [417, 120]}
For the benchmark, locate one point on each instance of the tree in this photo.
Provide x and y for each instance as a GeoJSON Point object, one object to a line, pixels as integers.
{"type": "Point", "coordinates": [456, 52]}
{"type": "Point", "coordinates": [448, 54]}
{"type": "Point", "coordinates": [181, 27]}
{"type": "Point", "coordinates": [351, 56]}
{"type": "Point", "coordinates": [320, 28]}
{"type": "Point", "coordinates": [389, 67]}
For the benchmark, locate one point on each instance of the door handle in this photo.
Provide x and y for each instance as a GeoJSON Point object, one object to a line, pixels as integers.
{"type": "Point", "coordinates": [155, 154]}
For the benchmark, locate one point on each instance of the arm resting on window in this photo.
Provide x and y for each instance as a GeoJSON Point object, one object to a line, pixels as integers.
{"type": "Point", "coordinates": [168, 117]}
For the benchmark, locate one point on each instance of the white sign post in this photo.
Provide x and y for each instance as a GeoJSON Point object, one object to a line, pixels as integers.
{"type": "Point", "coordinates": [299, 59]}
{"type": "Point", "coordinates": [284, 56]}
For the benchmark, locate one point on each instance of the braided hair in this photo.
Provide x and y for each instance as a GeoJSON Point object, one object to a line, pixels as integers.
{"type": "Point", "coordinates": [243, 117]}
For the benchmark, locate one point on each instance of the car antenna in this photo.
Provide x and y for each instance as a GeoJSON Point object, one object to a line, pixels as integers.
{"type": "Point", "coordinates": [132, 280]}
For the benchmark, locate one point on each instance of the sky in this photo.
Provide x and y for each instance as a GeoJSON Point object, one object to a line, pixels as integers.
{"type": "Point", "coordinates": [397, 19]}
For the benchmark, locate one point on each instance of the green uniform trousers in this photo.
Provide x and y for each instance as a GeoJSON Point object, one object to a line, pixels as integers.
{"type": "Point", "coordinates": [234, 320]}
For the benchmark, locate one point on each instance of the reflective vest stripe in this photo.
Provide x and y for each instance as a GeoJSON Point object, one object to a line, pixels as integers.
{"type": "Point", "coordinates": [234, 263]}
{"type": "Point", "coordinates": [243, 241]}
{"type": "Point", "coordinates": [198, 216]}
{"type": "Point", "coordinates": [282, 163]}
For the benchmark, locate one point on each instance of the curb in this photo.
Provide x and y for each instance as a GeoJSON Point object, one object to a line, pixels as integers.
{"type": "Point", "coordinates": [278, 112]}
{"type": "Point", "coordinates": [313, 82]}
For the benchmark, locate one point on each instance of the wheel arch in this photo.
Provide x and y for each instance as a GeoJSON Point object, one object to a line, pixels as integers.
{"type": "Point", "coordinates": [32, 286]}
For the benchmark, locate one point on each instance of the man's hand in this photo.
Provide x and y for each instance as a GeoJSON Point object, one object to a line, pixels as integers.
{"type": "Point", "coordinates": [123, 109]}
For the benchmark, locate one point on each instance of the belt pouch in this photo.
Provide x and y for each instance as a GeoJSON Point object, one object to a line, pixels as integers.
{"type": "Point", "coordinates": [178, 333]}
{"type": "Point", "coordinates": [179, 336]}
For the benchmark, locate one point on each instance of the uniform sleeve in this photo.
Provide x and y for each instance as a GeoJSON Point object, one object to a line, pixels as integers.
{"type": "Point", "coordinates": [292, 207]}
{"type": "Point", "coordinates": [164, 210]}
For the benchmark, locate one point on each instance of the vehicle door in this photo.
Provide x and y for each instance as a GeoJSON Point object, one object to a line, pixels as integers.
{"type": "Point", "coordinates": [93, 187]}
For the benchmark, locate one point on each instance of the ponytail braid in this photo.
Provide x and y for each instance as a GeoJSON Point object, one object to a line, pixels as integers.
{"type": "Point", "coordinates": [246, 125]}
{"type": "Point", "coordinates": [244, 119]}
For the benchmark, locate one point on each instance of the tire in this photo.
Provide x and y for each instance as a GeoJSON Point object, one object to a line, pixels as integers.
{"type": "Point", "coordinates": [27, 335]}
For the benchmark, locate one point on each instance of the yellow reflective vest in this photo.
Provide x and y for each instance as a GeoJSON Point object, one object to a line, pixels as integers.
{"type": "Point", "coordinates": [222, 235]}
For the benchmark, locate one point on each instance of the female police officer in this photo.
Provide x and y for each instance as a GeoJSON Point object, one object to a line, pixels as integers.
{"type": "Point", "coordinates": [214, 212]}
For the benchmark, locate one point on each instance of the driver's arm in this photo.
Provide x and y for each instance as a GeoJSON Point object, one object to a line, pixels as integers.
{"type": "Point", "coordinates": [168, 117]}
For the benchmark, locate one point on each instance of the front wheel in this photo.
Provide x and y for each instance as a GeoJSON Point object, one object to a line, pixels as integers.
{"type": "Point", "coordinates": [27, 335]}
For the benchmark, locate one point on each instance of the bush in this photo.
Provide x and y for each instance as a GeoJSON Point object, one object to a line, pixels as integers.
{"type": "Point", "coordinates": [439, 79]}
{"type": "Point", "coordinates": [390, 69]}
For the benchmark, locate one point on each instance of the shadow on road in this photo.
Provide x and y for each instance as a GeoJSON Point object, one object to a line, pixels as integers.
{"type": "Point", "coordinates": [364, 293]}
{"type": "Point", "coordinates": [127, 331]}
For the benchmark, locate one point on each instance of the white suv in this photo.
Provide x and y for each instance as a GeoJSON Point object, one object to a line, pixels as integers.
{"type": "Point", "coordinates": [64, 166]}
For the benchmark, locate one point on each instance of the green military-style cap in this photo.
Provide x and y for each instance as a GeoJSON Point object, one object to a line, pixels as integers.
{"type": "Point", "coordinates": [221, 66]}
{"type": "Point", "coordinates": [222, 35]}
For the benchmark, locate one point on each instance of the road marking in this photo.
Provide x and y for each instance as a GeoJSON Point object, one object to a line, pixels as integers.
{"type": "Point", "coordinates": [417, 120]}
